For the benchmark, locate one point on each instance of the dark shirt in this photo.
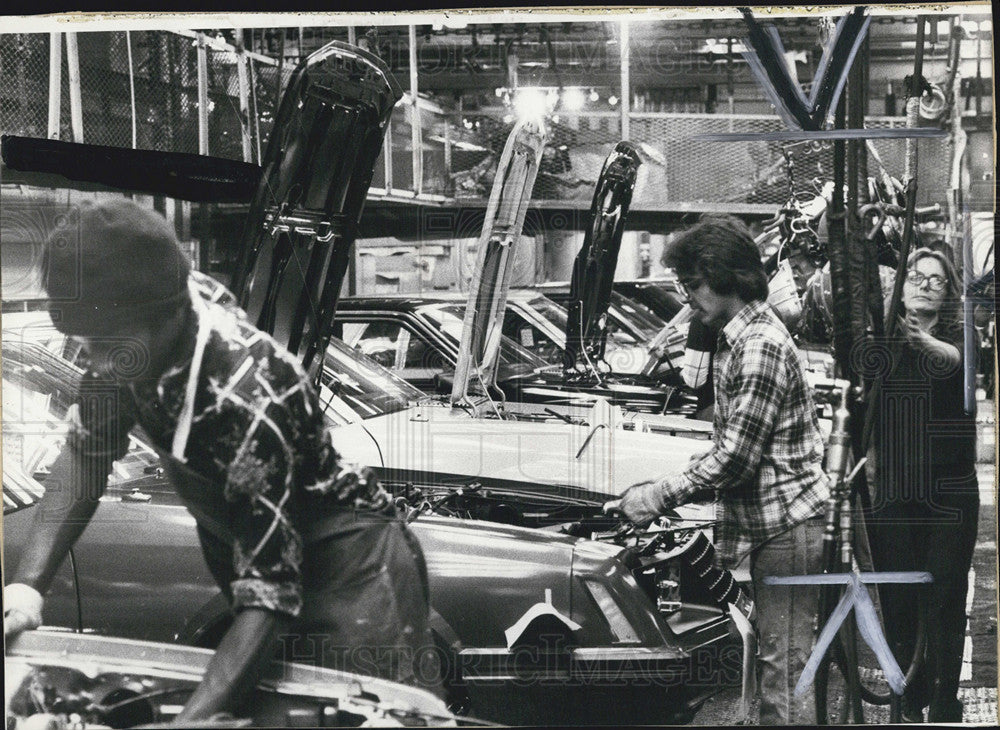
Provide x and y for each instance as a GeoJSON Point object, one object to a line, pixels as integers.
{"type": "Point", "coordinates": [921, 414]}
{"type": "Point", "coordinates": [258, 441]}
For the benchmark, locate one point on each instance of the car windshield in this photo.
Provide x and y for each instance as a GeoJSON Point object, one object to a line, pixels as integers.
{"type": "Point", "coordinates": [39, 386]}
{"type": "Point", "coordinates": [639, 316]}
{"type": "Point", "coordinates": [550, 311]}
{"type": "Point", "coordinates": [515, 360]}
{"type": "Point", "coordinates": [364, 385]}
{"type": "Point", "coordinates": [558, 316]}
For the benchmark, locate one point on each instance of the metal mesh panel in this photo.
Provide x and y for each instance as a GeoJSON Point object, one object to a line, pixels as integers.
{"type": "Point", "coordinates": [24, 84]}
{"type": "Point", "coordinates": [267, 83]}
{"type": "Point", "coordinates": [225, 122]}
{"type": "Point", "coordinates": [933, 160]}
{"type": "Point", "coordinates": [166, 90]}
{"type": "Point", "coordinates": [402, 147]}
{"type": "Point", "coordinates": [459, 151]}
{"type": "Point", "coordinates": [104, 89]}
{"type": "Point", "coordinates": [435, 135]}
{"type": "Point", "coordinates": [476, 142]}
{"type": "Point", "coordinates": [677, 169]}
{"type": "Point", "coordinates": [575, 151]}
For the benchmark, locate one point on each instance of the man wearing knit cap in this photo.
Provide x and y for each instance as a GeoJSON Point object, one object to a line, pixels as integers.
{"type": "Point", "coordinates": [302, 545]}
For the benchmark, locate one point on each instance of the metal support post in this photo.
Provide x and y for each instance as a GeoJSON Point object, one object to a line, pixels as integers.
{"type": "Point", "coordinates": [202, 96]}
{"type": "Point", "coordinates": [244, 83]}
{"type": "Point", "coordinates": [626, 97]}
{"type": "Point", "coordinates": [447, 146]}
{"type": "Point", "coordinates": [387, 157]}
{"type": "Point", "coordinates": [131, 89]}
{"type": "Point", "coordinates": [415, 130]}
{"type": "Point", "coordinates": [55, 84]}
{"type": "Point", "coordinates": [75, 99]}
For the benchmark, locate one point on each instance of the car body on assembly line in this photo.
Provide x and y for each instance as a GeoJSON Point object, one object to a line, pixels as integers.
{"type": "Point", "coordinates": [418, 337]}
{"type": "Point", "coordinates": [537, 625]}
{"type": "Point", "coordinates": [58, 679]}
{"type": "Point", "coordinates": [635, 628]}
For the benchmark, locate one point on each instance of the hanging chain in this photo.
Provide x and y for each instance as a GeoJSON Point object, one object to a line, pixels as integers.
{"type": "Point", "coordinates": [790, 176]}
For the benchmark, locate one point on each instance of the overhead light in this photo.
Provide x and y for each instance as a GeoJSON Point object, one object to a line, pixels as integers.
{"type": "Point", "coordinates": [573, 100]}
{"type": "Point", "coordinates": [530, 102]}
{"type": "Point", "coordinates": [499, 91]}
{"type": "Point", "coordinates": [613, 100]}
{"type": "Point", "coordinates": [594, 96]}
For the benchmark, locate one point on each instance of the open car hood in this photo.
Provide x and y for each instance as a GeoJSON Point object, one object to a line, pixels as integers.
{"type": "Point", "coordinates": [594, 267]}
{"type": "Point", "coordinates": [319, 163]}
{"type": "Point", "coordinates": [478, 354]}
{"type": "Point", "coordinates": [307, 199]}
{"type": "Point", "coordinates": [123, 683]}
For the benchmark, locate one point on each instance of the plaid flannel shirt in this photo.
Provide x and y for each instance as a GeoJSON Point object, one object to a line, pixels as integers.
{"type": "Point", "coordinates": [766, 459]}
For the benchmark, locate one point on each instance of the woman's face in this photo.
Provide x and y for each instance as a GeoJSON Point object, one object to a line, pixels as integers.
{"type": "Point", "coordinates": [928, 295]}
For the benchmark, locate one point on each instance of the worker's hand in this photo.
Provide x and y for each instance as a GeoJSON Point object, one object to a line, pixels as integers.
{"type": "Point", "coordinates": [22, 609]}
{"type": "Point", "coordinates": [641, 503]}
{"type": "Point", "coordinates": [910, 329]}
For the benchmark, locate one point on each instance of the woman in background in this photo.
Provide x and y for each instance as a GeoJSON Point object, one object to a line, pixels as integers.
{"type": "Point", "coordinates": [926, 498]}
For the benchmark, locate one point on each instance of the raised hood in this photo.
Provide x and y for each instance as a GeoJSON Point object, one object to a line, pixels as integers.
{"type": "Point", "coordinates": [594, 268]}
{"type": "Point", "coordinates": [478, 354]}
{"type": "Point", "coordinates": [303, 219]}
{"type": "Point", "coordinates": [309, 192]}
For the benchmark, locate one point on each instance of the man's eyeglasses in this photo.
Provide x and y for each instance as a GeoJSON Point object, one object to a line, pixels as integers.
{"type": "Point", "coordinates": [688, 286]}
{"type": "Point", "coordinates": [934, 282]}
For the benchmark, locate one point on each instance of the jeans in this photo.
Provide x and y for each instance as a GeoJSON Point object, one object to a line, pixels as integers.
{"type": "Point", "coordinates": [785, 616]}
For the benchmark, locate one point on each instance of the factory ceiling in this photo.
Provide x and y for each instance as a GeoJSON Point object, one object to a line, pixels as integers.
{"type": "Point", "coordinates": [662, 53]}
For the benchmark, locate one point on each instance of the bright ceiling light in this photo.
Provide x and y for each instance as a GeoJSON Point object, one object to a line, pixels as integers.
{"type": "Point", "coordinates": [573, 100]}
{"type": "Point", "coordinates": [530, 102]}
{"type": "Point", "coordinates": [612, 100]}
{"type": "Point", "coordinates": [594, 96]}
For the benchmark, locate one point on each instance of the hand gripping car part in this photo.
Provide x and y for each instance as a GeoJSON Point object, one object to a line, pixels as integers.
{"type": "Point", "coordinates": [77, 681]}
{"type": "Point", "coordinates": [475, 373]}
{"type": "Point", "coordinates": [319, 163]}
{"type": "Point", "coordinates": [594, 267]}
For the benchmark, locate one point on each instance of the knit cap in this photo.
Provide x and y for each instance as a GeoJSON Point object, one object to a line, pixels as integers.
{"type": "Point", "coordinates": [109, 264]}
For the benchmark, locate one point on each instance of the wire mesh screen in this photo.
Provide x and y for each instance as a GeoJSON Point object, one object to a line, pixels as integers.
{"type": "Point", "coordinates": [435, 144]}
{"type": "Point", "coordinates": [138, 88]}
{"type": "Point", "coordinates": [678, 169]}
{"type": "Point", "coordinates": [225, 117]}
{"type": "Point", "coordinates": [267, 82]}
{"type": "Point", "coordinates": [141, 88]}
{"type": "Point", "coordinates": [24, 84]}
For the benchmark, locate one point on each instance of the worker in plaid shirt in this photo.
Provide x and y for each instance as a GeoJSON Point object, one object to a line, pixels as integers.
{"type": "Point", "coordinates": [765, 463]}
